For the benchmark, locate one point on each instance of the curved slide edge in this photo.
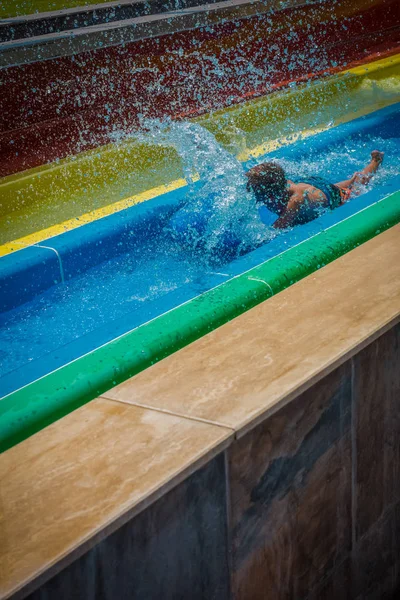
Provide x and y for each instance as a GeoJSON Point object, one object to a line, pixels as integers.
{"type": "Point", "coordinates": [42, 402]}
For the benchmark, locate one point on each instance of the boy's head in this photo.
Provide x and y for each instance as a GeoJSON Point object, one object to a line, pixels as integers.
{"type": "Point", "coordinates": [268, 183]}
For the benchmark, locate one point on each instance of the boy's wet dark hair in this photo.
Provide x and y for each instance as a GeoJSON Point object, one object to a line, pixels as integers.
{"type": "Point", "coordinates": [268, 182]}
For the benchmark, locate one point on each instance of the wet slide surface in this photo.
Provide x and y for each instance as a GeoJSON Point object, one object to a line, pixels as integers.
{"type": "Point", "coordinates": [155, 273]}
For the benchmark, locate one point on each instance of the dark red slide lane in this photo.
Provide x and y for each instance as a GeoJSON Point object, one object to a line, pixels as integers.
{"type": "Point", "coordinates": [55, 108]}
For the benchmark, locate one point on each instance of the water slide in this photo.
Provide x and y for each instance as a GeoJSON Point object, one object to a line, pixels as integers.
{"type": "Point", "coordinates": [127, 231]}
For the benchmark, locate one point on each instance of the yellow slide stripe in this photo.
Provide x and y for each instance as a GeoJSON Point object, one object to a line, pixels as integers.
{"type": "Point", "coordinates": [94, 215]}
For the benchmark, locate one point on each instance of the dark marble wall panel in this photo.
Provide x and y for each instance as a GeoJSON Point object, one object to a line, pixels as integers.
{"type": "Point", "coordinates": [337, 586]}
{"type": "Point", "coordinates": [175, 549]}
{"type": "Point", "coordinates": [376, 560]}
{"type": "Point", "coordinates": [290, 483]}
{"type": "Point", "coordinates": [376, 398]}
{"type": "Point", "coordinates": [372, 571]}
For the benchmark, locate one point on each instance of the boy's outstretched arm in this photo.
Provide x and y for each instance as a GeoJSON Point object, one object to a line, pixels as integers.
{"type": "Point", "coordinates": [364, 176]}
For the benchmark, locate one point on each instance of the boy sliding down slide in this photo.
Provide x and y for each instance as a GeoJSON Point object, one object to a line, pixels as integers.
{"type": "Point", "coordinates": [301, 202]}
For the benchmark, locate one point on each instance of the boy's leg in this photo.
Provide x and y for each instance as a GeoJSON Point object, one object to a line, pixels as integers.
{"type": "Point", "coordinates": [372, 167]}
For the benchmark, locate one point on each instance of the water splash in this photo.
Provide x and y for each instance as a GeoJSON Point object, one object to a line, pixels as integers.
{"type": "Point", "coordinates": [220, 196]}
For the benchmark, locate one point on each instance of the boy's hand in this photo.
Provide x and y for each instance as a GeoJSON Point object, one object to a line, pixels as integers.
{"type": "Point", "coordinates": [377, 156]}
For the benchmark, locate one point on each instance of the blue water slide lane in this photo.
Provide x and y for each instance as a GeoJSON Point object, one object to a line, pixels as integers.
{"type": "Point", "coordinates": [30, 271]}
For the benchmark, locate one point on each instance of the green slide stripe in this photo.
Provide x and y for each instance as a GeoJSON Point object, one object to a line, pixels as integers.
{"type": "Point", "coordinates": [42, 402]}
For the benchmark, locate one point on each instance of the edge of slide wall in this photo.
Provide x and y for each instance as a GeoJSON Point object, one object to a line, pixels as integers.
{"type": "Point", "coordinates": [33, 407]}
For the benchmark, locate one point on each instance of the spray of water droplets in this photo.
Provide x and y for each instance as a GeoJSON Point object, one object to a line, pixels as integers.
{"type": "Point", "coordinates": [220, 192]}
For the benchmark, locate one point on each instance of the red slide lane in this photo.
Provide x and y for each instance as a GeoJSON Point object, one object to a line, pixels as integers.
{"type": "Point", "coordinates": [54, 108]}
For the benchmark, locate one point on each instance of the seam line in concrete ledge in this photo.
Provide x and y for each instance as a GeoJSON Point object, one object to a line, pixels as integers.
{"type": "Point", "coordinates": [170, 412]}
